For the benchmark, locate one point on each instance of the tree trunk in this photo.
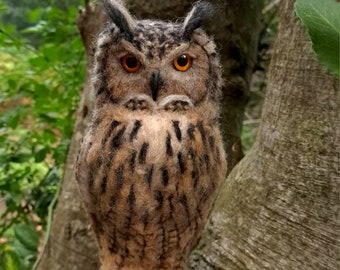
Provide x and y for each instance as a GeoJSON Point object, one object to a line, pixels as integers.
{"type": "Point", "coordinates": [236, 27]}
{"type": "Point", "coordinates": [279, 208]}
{"type": "Point", "coordinates": [71, 244]}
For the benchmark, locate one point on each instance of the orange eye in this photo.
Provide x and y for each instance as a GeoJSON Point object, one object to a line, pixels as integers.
{"type": "Point", "coordinates": [130, 63]}
{"type": "Point", "coordinates": [182, 62]}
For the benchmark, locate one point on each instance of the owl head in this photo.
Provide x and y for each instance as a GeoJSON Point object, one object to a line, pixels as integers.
{"type": "Point", "coordinates": [156, 58]}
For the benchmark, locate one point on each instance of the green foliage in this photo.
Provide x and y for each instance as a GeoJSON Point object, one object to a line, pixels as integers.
{"type": "Point", "coordinates": [10, 261]}
{"type": "Point", "coordinates": [20, 254]}
{"type": "Point", "coordinates": [322, 20]}
{"type": "Point", "coordinates": [40, 82]}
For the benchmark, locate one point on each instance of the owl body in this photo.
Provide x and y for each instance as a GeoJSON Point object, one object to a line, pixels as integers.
{"type": "Point", "coordinates": [152, 158]}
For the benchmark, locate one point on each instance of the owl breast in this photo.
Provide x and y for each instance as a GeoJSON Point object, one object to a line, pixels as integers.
{"type": "Point", "coordinates": [148, 180]}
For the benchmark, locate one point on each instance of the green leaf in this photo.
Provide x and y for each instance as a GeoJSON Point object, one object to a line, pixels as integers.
{"type": "Point", "coordinates": [322, 20]}
{"type": "Point", "coordinates": [48, 136]}
{"type": "Point", "coordinates": [3, 8]}
{"type": "Point", "coordinates": [38, 28]}
{"type": "Point", "coordinates": [52, 52]}
{"type": "Point", "coordinates": [41, 73]}
{"type": "Point", "coordinates": [27, 236]}
{"type": "Point", "coordinates": [39, 62]}
{"type": "Point", "coordinates": [34, 15]}
{"type": "Point", "coordinates": [11, 261]}
{"type": "Point", "coordinates": [40, 155]}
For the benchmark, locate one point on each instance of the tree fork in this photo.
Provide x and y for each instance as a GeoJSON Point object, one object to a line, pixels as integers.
{"type": "Point", "coordinates": [279, 208]}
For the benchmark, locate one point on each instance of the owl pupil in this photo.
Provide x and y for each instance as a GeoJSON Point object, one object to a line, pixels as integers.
{"type": "Point", "coordinates": [131, 62]}
{"type": "Point", "coordinates": [182, 60]}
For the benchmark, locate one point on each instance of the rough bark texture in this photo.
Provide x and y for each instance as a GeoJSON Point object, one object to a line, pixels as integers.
{"type": "Point", "coordinates": [279, 208]}
{"type": "Point", "coordinates": [71, 244]}
{"type": "Point", "coordinates": [236, 28]}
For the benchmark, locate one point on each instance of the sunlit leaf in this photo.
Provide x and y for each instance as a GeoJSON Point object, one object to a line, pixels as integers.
{"type": "Point", "coordinates": [11, 261]}
{"type": "Point", "coordinates": [36, 28]}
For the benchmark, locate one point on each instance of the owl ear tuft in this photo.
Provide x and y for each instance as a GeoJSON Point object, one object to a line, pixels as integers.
{"type": "Point", "coordinates": [200, 11]}
{"type": "Point", "coordinates": [120, 17]}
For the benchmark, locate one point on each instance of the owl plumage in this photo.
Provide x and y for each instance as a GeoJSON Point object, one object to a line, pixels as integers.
{"type": "Point", "coordinates": [152, 158]}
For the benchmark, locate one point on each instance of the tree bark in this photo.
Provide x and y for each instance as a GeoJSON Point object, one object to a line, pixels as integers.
{"type": "Point", "coordinates": [71, 243]}
{"type": "Point", "coordinates": [279, 208]}
{"type": "Point", "coordinates": [236, 27]}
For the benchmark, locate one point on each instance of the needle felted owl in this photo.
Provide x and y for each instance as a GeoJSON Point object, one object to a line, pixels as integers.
{"type": "Point", "coordinates": [152, 158]}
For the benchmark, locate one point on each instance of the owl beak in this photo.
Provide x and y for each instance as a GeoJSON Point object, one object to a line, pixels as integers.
{"type": "Point", "coordinates": [155, 84]}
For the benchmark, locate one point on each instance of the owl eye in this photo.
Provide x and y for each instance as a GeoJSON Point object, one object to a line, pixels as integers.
{"type": "Point", "coordinates": [130, 63]}
{"type": "Point", "coordinates": [182, 62]}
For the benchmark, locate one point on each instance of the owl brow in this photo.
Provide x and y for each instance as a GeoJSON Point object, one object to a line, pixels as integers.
{"type": "Point", "coordinates": [128, 47]}
{"type": "Point", "coordinates": [179, 50]}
